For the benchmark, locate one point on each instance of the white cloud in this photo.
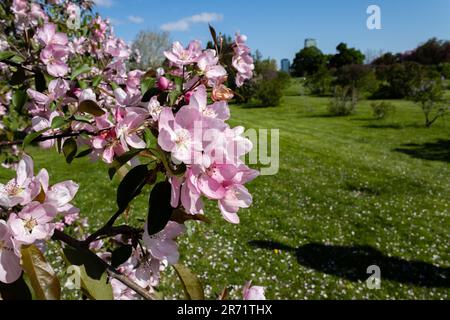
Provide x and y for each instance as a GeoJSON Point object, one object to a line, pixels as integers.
{"type": "Point", "coordinates": [104, 3]}
{"type": "Point", "coordinates": [185, 23]}
{"type": "Point", "coordinates": [115, 22]}
{"type": "Point", "coordinates": [135, 19]}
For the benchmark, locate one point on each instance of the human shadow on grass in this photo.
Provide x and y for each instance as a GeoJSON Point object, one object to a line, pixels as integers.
{"type": "Point", "coordinates": [435, 151]}
{"type": "Point", "coordinates": [351, 262]}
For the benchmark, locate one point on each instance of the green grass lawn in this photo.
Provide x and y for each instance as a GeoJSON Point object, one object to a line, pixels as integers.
{"type": "Point", "coordinates": [350, 192]}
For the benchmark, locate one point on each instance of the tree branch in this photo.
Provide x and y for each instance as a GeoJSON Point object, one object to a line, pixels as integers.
{"type": "Point", "coordinates": [112, 272]}
{"type": "Point", "coordinates": [56, 136]}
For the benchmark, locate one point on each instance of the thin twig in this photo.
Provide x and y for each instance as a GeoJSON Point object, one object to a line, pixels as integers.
{"type": "Point", "coordinates": [112, 272]}
{"type": "Point", "coordinates": [55, 136]}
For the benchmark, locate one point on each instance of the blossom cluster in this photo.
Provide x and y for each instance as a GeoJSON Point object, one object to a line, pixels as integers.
{"type": "Point", "coordinates": [176, 116]}
{"type": "Point", "coordinates": [29, 208]}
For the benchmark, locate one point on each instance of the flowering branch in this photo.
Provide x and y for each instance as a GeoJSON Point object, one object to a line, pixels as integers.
{"type": "Point", "coordinates": [52, 137]}
{"type": "Point", "coordinates": [112, 272]}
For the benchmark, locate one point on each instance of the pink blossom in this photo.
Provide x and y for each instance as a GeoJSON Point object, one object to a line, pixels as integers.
{"type": "Point", "coordinates": [61, 194]}
{"type": "Point", "coordinates": [10, 269]}
{"type": "Point", "coordinates": [57, 88]}
{"type": "Point", "coordinates": [47, 36]}
{"type": "Point", "coordinates": [162, 245]}
{"type": "Point", "coordinates": [53, 56]}
{"type": "Point", "coordinates": [208, 64]}
{"type": "Point", "coordinates": [242, 60]}
{"type": "Point", "coordinates": [37, 13]}
{"type": "Point", "coordinates": [217, 110]}
{"type": "Point", "coordinates": [22, 189]}
{"type": "Point", "coordinates": [236, 197]}
{"type": "Point", "coordinates": [176, 134]}
{"type": "Point", "coordinates": [181, 56]}
{"type": "Point", "coordinates": [253, 292]}
{"type": "Point", "coordinates": [77, 45]}
{"type": "Point", "coordinates": [154, 108]}
{"type": "Point", "coordinates": [127, 98]}
{"type": "Point", "coordinates": [33, 222]}
{"type": "Point", "coordinates": [127, 129]}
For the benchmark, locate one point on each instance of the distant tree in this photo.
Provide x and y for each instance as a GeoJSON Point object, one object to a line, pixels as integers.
{"type": "Point", "coordinates": [357, 78]}
{"type": "Point", "coordinates": [386, 59]}
{"type": "Point", "coordinates": [346, 56]}
{"type": "Point", "coordinates": [432, 52]}
{"type": "Point", "coordinates": [151, 46]}
{"type": "Point", "coordinates": [371, 55]}
{"type": "Point", "coordinates": [269, 83]}
{"type": "Point", "coordinates": [320, 82]}
{"type": "Point", "coordinates": [308, 61]}
{"type": "Point", "coordinates": [399, 79]}
{"type": "Point", "coordinates": [428, 93]}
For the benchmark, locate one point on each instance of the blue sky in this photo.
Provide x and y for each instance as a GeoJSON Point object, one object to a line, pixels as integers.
{"type": "Point", "coordinates": [278, 27]}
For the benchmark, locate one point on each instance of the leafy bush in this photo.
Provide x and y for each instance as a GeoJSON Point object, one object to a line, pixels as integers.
{"type": "Point", "coordinates": [359, 78]}
{"type": "Point", "coordinates": [320, 82]}
{"type": "Point", "coordinates": [343, 102]}
{"type": "Point", "coordinates": [428, 94]}
{"type": "Point", "coordinates": [398, 79]}
{"type": "Point", "coordinates": [269, 92]}
{"type": "Point", "coordinates": [383, 109]}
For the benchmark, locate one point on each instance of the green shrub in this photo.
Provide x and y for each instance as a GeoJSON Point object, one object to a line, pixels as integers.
{"type": "Point", "coordinates": [382, 110]}
{"type": "Point", "coordinates": [344, 101]}
{"type": "Point", "coordinates": [269, 92]}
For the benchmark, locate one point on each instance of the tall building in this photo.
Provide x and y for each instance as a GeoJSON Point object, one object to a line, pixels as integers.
{"type": "Point", "coordinates": [285, 65]}
{"type": "Point", "coordinates": [309, 42]}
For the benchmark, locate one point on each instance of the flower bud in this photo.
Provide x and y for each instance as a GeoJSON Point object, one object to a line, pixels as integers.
{"type": "Point", "coordinates": [163, 83]}
{"type": "Point", "coordinates": [222, 93]}
{"type": "Point", "coordinates": [187, 96]}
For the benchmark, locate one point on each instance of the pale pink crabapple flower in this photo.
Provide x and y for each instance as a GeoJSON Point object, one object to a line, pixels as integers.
{"type": "Point", "coordinates": [242, 60]}
{"type": "Point", "coordinates": [253, 292]}
{"type": "Point", "coordinates": [22, 189]}
{"type": "Point", "coordinates": [10, 269]}
{"type": "Point", "coordinates": [180, 56]}
{"type": "Point", "coordinates": [32, 223]}
{"type": "Point", "coordinates": [162, 246]}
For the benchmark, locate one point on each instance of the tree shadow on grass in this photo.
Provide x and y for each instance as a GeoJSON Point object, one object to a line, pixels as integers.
{"type": "Point", "coordinates": [351, 262]}
{"type": "Point", "coordinates": [435, 151]}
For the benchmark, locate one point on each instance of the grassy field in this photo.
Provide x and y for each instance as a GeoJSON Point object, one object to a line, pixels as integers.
{"type": "Point", "coordinates": [351, 192]}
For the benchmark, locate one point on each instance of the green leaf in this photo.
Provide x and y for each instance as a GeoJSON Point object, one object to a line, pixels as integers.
{"type": "Point", "coordinates": [80, 70]}
{"type": "Point", "coordinates": [131, 185]}
{"type": "Point", "coordinates": [94, 279]}
{"type": "Point", "coordinates": [96, 81]}
{"type": "Point", "coordinates": [121, 255]}
{"type": "Point", "coordinates": [84, 153]}
{"type": "Point", "coordinates": [18, 99]}
{"type": "Point", "coordinates": [159, 208]}
{"type": "Point", "coordinates": [173, 96]}
{"type": "Point", "coordinates": [91, 107]}
{"type": "Point", "coordinates": [191, 284]}
{"type": "Point", "coordinates": [42, 278]}
{"type": "Point", "coordinates": [121, 160]}
{"type": "Point", "coordinates": [18, 77]}
{"type": "Point", "coordinates": [18, 290]}
{"type": "Point", "coordinates": [69, 149]}
{"type": "Point", "coordinates": [83, 84]}
{"type": "Point", "coordinates": [146, 84]}
{"type": "Point", "coordinates": [213, 35]}
{"type": "Point", "coordinates": [5, 55]}
{"type": "Point", "coordinates": [58, 122]}
{"type": "Point", "coordinates": [31, 137]}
